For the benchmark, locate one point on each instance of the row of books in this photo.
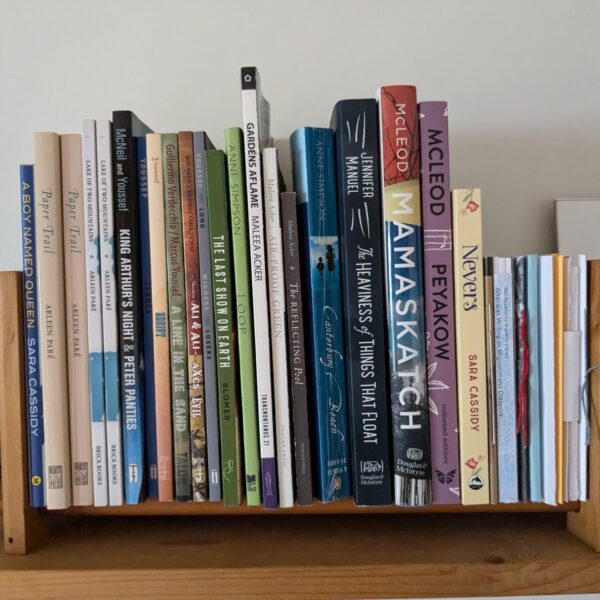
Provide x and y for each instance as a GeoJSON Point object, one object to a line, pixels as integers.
{"type": "Point", "coordinates": [195, 332]}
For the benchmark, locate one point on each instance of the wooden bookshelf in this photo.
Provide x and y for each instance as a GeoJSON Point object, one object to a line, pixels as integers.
{"type": "Point", "coordinates": [332, 550]}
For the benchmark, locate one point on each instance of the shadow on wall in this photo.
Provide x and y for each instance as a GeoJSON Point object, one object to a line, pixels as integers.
{"type": "Point", "coordinates": [520, 177]}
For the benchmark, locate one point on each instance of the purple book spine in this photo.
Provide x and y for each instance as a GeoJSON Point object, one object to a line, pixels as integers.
{"type": "Point", "coordinates": [439, 301]}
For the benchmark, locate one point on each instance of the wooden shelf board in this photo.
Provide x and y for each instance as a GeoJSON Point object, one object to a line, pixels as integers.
{"type": "Point", "coordinates": [317, 557]}
{"type": "Point", "coordinates": [154, 508]}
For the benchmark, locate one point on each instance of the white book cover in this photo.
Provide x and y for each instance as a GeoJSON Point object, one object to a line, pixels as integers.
{"type": "Point", "coordinates": [251, 98]}
{"type": "Point", "coordinates": [546, 355]}
{"type": "Point", "coordinates": [584, 415]}
{"type": "Point", "coordinates": [110, 336]}
{"type": "Point", "coordinates": [506, 402]}
{"type": "Point", "coordinates": [95, 342]}
{"type": "Point", "coordinates": [277, 311]}
{"type": "Point", "coordinates": [51, 317]}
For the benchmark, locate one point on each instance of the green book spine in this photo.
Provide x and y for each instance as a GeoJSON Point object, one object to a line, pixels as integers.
{"type": "Point", "coordinates": [227, 391]}
{"type": "Point", "coordinates": [177, 318]}
{"type": "Point", "coordinates": [243, 298]}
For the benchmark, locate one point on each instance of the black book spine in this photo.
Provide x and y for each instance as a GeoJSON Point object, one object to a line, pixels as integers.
{"type": "Point", "coordinates": [296, 343]}
{"type": "Point", "coordinates": [361, 246]}
{"type": "Point", "coordinates": [129, 289]}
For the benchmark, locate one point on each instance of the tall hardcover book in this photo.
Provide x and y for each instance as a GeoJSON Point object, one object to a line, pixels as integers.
{"type": "Point", "coordinates": [296, 354]}
{"type": "Point", "coordinates": [160, 321]}
{"type": "Point", "coordinates": [201, 144]}
{"type": "Point", "coordinates": [559, 303]}
{"type": "Point", "coordinates": [470, 346]}
{"type": "Point", "coordinates": [403, 243]}
{"type": "Point", "coordinates": [584, 413]}
{"type": "Point", "coordinates": [522, 372]}
{"type": "Point", "coordinates": [225, 347]}
{"type": "Point", "coordinates": [51, 315]}
{"type": "Point", "coordinates": [314, 178]}
{"type": "Point", "coordinates": [151, 474]}
{"type": "Point", "coordinates": [243, 298]}
{"type": "Point", "coordinates": [256, 117]}
{"type": "Point", "coordinates": [534, 379]}
{"type": "Point", "coordinates": [35, 399]}
{"type": "Point", "coordinates": [436, 206]}
{"type": "Point", "coordinates": [506, 401]}
{"type": "Point", "coordinates": [177, 318]}
{"type": "Point", "coordinates": [547, 378]}
{"type": "Point", "coordinates": [94, 317]}
{"type": "Point", "coordinates": [73, 210]}
{"type": "Point", "coordinates": [361, 247]}
{"type": "Point", "coordinates": [127, 127]}
{"type": "Point", "coordinates": [490, 362]}
{"type": "Point", "coordinates": [274, 240]}
{"type": "Point", "coordinates": [110, 329]}
{"type": "Point", "coordinates": [194, 317]}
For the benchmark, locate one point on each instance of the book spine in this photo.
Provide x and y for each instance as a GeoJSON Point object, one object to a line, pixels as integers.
{"type": "Point", "coordinates": [470, 346]}
{"type": "Point", "coordinates": [243, 298]}
{"type": "Point", "coordinates": [220, 251]}
{"type": "Point", "coordinates": [160, 321]}
{"type": "Point", "coordinates": [558, 267]}
{"type": "Point", "coordinates": [403, 243]}
{"type": "Point", "coordinates": [208, 330]}
{"type": "Point", "coordinates": [51, 315]}
{"type": "Point", "coordinates": [436, 206]}
{"type": "Point", "coordinates": [149, 374]}
{"type": "Point", "coordinates": [361, 248]}
{"type": "Point", "coordinates": [522, 374]}
{"type": "Point", "coordinates": [110, 336]}
{"type": "Point", "coordinates": [194, 318]}
{"type": "Point", "coordinates": [76, 305]}
{"type": "Point", "coordinates": [314, 178]}
{"type": "Point", "coordinates": [584, 414]}
{"type": "Point", "coordinates": [258, 277]}
{"type": "Point", "coordinates": [35, 398]}
{"type": "Point", "coordinates": [129, 296]}
{"type": "Point", "coordinates": [177, 319]}
{"type": "Point", "coordinates": [94, 316]}
{"type": "Point", "coordinates": [296, 354]}
{"type": "Point", "coordinates": [490, 362]}
{"type": "Point", "coordinates": [504, 328]}
{"type": "Point", "coordinates": [534, 380]}
{"type": "Point", "coordinates": [547, 377]}
{"type": "Point", "coordinates": [274, 243]}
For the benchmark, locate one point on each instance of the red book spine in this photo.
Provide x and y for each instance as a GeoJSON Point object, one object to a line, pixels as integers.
{"type": "Point", "coordinates": [194, 317]}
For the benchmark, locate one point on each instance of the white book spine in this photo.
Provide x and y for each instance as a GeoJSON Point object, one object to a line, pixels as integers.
{"type": "Point", "coordinates": [546, 345]}
{"type": "Point", "coordinates": [52, 325]}
{"type": "Point", "coordinates": [110, 334]}
{"type": "Point", "coordinates": [95, 343]}
{"type": "Point", "coordinates": [504, 327]}
{"type": "Point", "coordinates": [277, 311]}
{"type": "Point", "coordinates": [584, 413]}
{"type": "Point", "coordinates": [258, 277]}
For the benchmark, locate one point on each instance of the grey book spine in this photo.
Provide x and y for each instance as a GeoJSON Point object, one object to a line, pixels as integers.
{"type": "Point", "coordinates": [296, 342]}
{"type": "Point", "coordinates": [201, 144]}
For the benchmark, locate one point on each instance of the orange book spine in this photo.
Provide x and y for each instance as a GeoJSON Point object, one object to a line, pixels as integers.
{"type": "Point", "coordinates": [558, 263]}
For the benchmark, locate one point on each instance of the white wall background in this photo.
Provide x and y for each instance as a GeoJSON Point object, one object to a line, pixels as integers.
{"type": "Point", "coordinates": [522, 80]}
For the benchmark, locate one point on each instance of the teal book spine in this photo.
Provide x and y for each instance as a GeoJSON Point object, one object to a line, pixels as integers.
{"type": "Point", "coordinates": [535, 407]}
{"type": "Point", "coordinates": [177, 318]}
{"type": "Point", "coordinates": [243, 300]}
{"type": "Point", "coordinates": [225, 346]}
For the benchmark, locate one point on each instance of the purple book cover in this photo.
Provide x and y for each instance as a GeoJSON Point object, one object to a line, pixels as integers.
{"type": "Point", "coordinates": [439, 301]}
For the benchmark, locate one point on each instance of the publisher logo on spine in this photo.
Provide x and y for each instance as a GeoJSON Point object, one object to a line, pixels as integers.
{"type": "Point", "coordinates": [414, 454]}
{"type": "Point", "coordinates": [371, 466]}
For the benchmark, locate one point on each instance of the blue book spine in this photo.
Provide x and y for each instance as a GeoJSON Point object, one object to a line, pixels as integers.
{"type": "Point", "coordinates": [35, 406]}
{"type": "Point", "coordinates": [151, 450]}
{"type": "Point", "coordinates": [314, 177]}
{"type": "Point", "coordinates": [504, 328]}
{"type": "Point", "coordinates": [535, 409]}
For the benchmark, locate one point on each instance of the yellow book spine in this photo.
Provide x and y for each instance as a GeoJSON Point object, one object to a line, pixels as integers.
{"type": "Point", "coordinates": [559, 296]}
{"type": "Point", "coordinates": [471, 346]}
